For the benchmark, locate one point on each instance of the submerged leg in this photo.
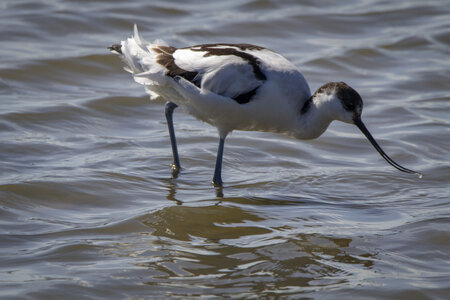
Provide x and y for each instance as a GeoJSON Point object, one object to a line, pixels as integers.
{"type": "Point", "coordinates": [170, 107]}
{"type": "Point", "coordinates": [217, 179]}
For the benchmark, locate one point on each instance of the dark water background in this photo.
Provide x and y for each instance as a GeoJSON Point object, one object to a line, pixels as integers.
{"type": "Point", "coordinates": [88, 208]}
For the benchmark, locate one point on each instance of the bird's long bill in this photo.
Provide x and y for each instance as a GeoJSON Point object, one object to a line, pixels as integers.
{"type": "Point", "coordinates": [366, 132]}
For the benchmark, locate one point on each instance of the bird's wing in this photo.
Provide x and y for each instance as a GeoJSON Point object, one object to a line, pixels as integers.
{"type": "Point", "coordinates": [225, 69]}
{"type": "Point", "coordinates": [231, 70]}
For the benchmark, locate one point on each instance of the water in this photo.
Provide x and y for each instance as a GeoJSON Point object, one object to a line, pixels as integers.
{"type": "Point", "coordinates": [88, 208]}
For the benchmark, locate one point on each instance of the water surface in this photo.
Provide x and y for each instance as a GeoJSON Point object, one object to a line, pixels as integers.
{"type": "Point", "coordinates": [88, 208]}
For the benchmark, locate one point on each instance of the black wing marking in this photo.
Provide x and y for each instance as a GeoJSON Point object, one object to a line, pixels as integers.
{"type": "Point", "coordinates": [166, 59]}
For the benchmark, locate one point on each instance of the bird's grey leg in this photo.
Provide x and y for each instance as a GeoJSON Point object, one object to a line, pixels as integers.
{"type": "Point", "coordinates": [170, 107]}
{"type": "Point", "coordinates": [217, 179]}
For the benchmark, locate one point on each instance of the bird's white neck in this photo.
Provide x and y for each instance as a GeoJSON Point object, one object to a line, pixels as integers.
{"type": "Point", "coordinates": [316, 117]}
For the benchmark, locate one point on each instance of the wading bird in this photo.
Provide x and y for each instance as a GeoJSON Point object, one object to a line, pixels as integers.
{"type": "Point", "coordinates": [240, 87]}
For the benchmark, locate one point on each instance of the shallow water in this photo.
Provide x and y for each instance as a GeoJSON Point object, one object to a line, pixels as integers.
{"type": "Point", "coordinates": [88, 208]}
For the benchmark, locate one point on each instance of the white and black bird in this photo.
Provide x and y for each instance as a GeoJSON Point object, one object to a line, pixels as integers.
{"type": "Point", "coordinates": [239, 87]}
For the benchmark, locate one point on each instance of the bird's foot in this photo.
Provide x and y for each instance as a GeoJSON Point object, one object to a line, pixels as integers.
{"type": "Point", "coordinates": [217, 182]}
{"type": "Point", "coordinates": [175, 170]}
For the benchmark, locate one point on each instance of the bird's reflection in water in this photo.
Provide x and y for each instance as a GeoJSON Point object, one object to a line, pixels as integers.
{"type": "Point", "coordinates": [171, 186]}
{"type": "Point", "coordinates": [219, 193]}
{"type": "Point", "coordinates": [172, 191]}
{"type": "Point", "coordinates": [240, 249]}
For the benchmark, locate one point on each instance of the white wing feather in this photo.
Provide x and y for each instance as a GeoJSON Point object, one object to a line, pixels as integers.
{"type": "Point", "coordinates": [226, 75]}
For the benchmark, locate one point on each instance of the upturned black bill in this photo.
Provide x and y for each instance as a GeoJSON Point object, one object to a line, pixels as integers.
{"type": "Point", "coordinates": [366, 132]}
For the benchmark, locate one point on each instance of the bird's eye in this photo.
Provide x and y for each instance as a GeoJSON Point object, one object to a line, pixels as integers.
{"type": "Point", "coordinates": [350, 107]}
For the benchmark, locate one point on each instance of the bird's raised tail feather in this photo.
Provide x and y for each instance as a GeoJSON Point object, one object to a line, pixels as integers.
{"type": "Point", "coordinates": [140, 60]}
{"type": "Point", "coordinates": [135, 52]}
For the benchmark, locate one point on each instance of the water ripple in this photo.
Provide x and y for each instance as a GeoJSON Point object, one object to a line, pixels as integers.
{"type": "Point", "coordinates": [87, 202]}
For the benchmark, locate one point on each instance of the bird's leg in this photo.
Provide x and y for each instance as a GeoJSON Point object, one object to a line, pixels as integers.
{"type": "Point", "coordinates": [217, 179]}
{"type": "Point", "coordinates": [170, 107]}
